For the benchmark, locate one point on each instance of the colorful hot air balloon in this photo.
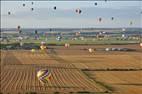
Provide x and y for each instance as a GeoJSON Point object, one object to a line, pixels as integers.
{"type": "Point", "coordinates": [44, 76]}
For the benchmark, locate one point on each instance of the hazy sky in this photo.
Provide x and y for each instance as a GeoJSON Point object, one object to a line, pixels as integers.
{"type": "Point", "coordinates": [45, 16]}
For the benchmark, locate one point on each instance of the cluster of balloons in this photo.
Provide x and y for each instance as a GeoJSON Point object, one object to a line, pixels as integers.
{"type": "Point", "coordinates": [79, 11]}
{"type": "Point", "coordinates": [44, 75]}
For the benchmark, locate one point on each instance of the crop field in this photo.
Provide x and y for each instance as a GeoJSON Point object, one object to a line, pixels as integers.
{"type": "Point", "coordinates": [73, 70]}
{"type": "Point", "coordinates": [126, 82]}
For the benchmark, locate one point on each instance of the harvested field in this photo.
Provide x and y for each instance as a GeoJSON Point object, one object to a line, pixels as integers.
{"type": "Point", "coordinates": [19, 68]}
{"type": "Point", "coordinates": [126, 82]}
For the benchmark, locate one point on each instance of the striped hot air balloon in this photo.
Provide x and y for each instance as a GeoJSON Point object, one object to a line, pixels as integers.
{"type": "Point", "coordinates": [44, 75]}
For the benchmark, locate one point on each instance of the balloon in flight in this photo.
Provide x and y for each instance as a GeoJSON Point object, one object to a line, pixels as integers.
{"type": "Point", "coordinates": [141, 45]}
{"type": "Point", "coordinates": [96, 4]}
{"type": "Point", "coordinates": [24, 5]}
{"type": "Point", "coordinates": [78, 11]}
{"type": "Point", "coordinates": [100, 19]}
{"type": "Point", "coordinates": [32, 9]}
{"type": "Point", "coordinates": [55, 7]}
{"type": "Point", "coordinates": [9, 13]}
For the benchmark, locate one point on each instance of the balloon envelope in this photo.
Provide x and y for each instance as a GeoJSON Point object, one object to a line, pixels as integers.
{"type": "Point", "coordinates": [141, 45]}
{"type": "Point", "coordinates": [44, 75]}
{"type": "Point", "coordinates": [95, 3]}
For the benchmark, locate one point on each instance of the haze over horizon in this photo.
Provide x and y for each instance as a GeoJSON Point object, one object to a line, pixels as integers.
{"type": "Point", "coordinates": [44, 16]}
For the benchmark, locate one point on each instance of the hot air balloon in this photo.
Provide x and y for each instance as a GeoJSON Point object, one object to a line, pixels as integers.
{"type": "Point", "coordinates": [100, 19]}
{"type": "Point", "coordinates": [59, 38]}
{"type": "Point", "coordinates": [44, 76]}
{"type": "Point", "coordinates": [112, 18]}
{"type": "Point", "coordinates": [141, 45]}
{"type": "Point", "coordinates": [43, 45]}
{"type": "Point", "coordinates": [78, 11]}
{"type": "Point", "coordinates": [55, 8]}
{"type": "Point", "coordinates": [32, 50]}
{"type": "Point", "coordinates": [77, 33]}
{"type": "Point", "coordinates": [90, 50]}
{"type": "Point", "coordinates": [24, 5]}
{"type": "Point", "coordinates": [32, 9]}
{"type": "Point", "coordinates": [67, 45]}
{"type": "Point", "coordinates": [32, 3]}
{"type": "Point", "coordinates": [96, 4]}
{"type": "Point", "coordinates": [9, 13]}
{"type": "Point", "coordinates": [18, 28]}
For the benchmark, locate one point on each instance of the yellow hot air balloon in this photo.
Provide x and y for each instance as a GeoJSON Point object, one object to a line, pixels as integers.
{"type": "Point", "coordinates": [44, 76]}
{"type": "Point", "coordinates": [32, 50]}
